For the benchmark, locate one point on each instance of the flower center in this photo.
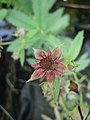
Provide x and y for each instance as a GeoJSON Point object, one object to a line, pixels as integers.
{"type": "Point", "coordinates": [46, 63]}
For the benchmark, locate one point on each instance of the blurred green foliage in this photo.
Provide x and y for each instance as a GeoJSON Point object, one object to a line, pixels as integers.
{"type": "Point", "coordinates": [44, 29]}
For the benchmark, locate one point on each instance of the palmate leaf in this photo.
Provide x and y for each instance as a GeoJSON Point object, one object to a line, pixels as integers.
{"type": "Point", "coordinates": [41, 9]}
{"type": "Point", "coordinates": [41, 18]}
{"type": "Point", "coordinates": [20, 19]}
{"type": "Point", "coordinates": [47, 24]}
{"type": "Point", "coordinates": [60, 24]}
{"type": "Point", "coordinates": [54, 16]}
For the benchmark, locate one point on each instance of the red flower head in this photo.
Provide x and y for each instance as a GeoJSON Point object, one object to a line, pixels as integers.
{"type": "Point", "coordinates": [48, 65]}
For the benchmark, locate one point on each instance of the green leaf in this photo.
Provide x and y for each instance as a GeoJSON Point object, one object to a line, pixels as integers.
{"type": "Point", "coordinates": [75, 46]}
{"type": "Point", "coordinates": [20, 19]}
{"type": "Point", "coordinates": [53, 17]}
{"type": "Point", "coordinates": [75, 114]}
{"type": "Point", "coordinates": [24, 5]}
{"type": "Point", "coordinates": [36, 40]}
{"type": "Point", "coordinates": [82, 62]}
{"type": "Point", "coordinates": [15, 46]}
{"type": "Point", "coordinates": [56, 88]}
{"type": "Point", "coordinates": [60, 24]}
{"type": "Point", "coordinates": [31, 34]}
{"type": "Point", "coordinates": [84, 111]}
{"type": "Point", "coordinates": [52, 41]}
{"type": "Point", "coordinates": [40, 9]}
{"type": "Point", "coordinates": [3, 13]}
{"type": "Point", "coordinates": [22, 57]}
{"type": "Point", "coordinates": [66, 40]}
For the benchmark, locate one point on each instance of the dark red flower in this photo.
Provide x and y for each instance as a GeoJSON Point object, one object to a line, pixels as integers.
{"type": "Point", "coordinates": [48, 65]}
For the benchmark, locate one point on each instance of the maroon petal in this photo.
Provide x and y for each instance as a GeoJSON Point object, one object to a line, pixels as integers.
{"type": "Point", "coordinates": [42, 76]}
{"type": "Point", "coordinates": [39, 54]}
{"type": "Point", "coordinates": [58, 74]}
{"type": "Point", "coordinates": [61, 68]}
{"type": "Point", "coordinates": [50, 77]}
{"type": "Point", "coordinates": [40, 71]}
{"type": "Point", "coordinates": [36, 65]}
{"type": "Point", "coordinates": [34, 76]}
{"type": "Point", "coordinates": [59, 60]}
{"type": "Point", "coordinates": [49, 52]}
{"type": "Point", "coordinates": [56, 53]}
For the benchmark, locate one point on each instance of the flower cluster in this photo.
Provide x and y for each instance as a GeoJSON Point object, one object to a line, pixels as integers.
{"type": "Point", "coordinates": [48, 65]}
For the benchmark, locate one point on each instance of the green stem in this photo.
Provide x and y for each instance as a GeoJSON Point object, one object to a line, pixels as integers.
{"type": "Point", "coordinates": [76, 78]}
{"type": "Point", "coordinates": [5, 43]}
{"type": "Point", "coordinates": [80, 91]}
{"type": "Point", "coordinates": [63, 104]}
{"type": "Point", "coordinates": [81, 97]}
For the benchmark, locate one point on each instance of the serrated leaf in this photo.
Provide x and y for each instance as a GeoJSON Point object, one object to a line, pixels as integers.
{"type": "Point", "coordinates": [60, 24]}
{"type": "Point", "coordinates": [41, 9]}
{"type": "Point", "coordinates": [56, 88]}
{"type": "Point", "coordinates": [53, 17]}
{"type": "Point", "coordinates": [75, 46]}
{"type": "Point", "coordinates": [3, 13]}
{"type": "Point", "coordinates": [20, 19]}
